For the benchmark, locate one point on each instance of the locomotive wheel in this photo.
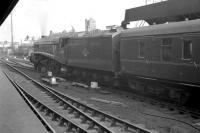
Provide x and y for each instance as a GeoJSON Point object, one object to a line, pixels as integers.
{"type": "Point", "coordinates": [74, 73]}
{"type": "Point", "coordinates": [39, 66]}
{"type": "Point", "coordinates": [55, 68]}
{"type": "Point", "coordinates": [184, 97]}
{"type": "Point", "coordinates": [83, 75]}
{"type": "Point", "coordinates": [116, 83]}
{"type": "Point", "coordinates": [78, 75]}
{"type": "Point", "coordinates": [43, 69]}
{"type": "Point", "coordinates": [94, 77]}
{"type": "Point", "coordinates": [35, 67]}
{"type": "Point", "coordinates": [105, 78]}
{"type": "Point", "coordinates": [89, 75]}
{"type": "Point", "coordinates": [69, 72]}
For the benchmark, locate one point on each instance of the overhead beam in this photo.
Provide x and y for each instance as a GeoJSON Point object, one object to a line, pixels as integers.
{"type": "Point", "coordinates": [166, 11]}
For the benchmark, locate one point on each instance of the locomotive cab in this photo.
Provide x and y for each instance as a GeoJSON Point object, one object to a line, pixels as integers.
{"type": "Point", "coordinates": [60, 53]}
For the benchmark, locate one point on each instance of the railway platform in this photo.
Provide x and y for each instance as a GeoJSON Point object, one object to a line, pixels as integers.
{"type": "Point", "coordinates": [15, 114]}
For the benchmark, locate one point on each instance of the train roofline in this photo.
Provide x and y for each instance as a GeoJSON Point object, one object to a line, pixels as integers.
{"type": "Point", "coordinates": [190, 26]}
{"type": "Point", "coordinates": [47, 40]}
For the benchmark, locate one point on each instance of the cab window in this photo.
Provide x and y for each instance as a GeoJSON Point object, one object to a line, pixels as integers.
{"type": "Point", "coordinates": [166, 49]}
{"type": "Point", "coordinates": [62, 44]}
{"type": "Point", "coordinates": [187, 49]}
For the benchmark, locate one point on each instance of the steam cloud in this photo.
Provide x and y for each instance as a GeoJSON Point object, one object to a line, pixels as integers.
{"type": "Point", "coordinates": [43, 16]}
{"type": "Point", "coordinates": [43, 23]}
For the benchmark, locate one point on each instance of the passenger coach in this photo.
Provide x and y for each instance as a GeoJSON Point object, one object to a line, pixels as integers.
{"type": "Point", "coordinates": [166, 52]}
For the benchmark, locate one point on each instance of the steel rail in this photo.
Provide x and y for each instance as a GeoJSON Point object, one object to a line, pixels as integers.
{"type": "Point", "coordinates": [181, 109]}
{"type": "Point", "coordinates": [40, 117]}
{"type": "Point", "coordinates": [93, 122]}
{"type": "Point", "coordinates": [20, 61]}
{"type": "Point", "coordinates": [55, 115]}
{"type": "Point", "coordinates": [77, 105]}
{"type": "Point", "coordinates": [18, 65]}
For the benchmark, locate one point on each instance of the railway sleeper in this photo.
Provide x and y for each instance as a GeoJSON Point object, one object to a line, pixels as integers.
{"type": "Point", "coordinates": [56, 117]}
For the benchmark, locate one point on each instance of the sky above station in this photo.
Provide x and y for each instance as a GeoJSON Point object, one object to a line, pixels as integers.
{"type": "Point", "coordinates": [37, 17]}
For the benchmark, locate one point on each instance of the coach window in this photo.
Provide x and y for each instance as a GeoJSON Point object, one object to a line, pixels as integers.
{"type": "Point", "coordinates": [141, 49]}
{"type": "Point", "coordinates": [187, 49]}
{"type": "Point", "coordinates": [166, 47]}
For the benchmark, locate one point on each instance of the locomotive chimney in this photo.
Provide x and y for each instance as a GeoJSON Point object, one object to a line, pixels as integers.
{"type": "Point", "coordinates": [43, 17]}
{"type": "Point", "coordinates": [43, 36]}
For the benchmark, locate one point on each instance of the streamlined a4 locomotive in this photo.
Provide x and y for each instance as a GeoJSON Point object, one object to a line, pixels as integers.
{"type": "Point", "coordinates": [166, 53]}
{"type": "Point", "coordinates": [160, 60]}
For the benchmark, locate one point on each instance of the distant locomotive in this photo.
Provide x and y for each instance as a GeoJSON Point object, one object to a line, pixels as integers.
{"type": "Point", "coordinates": [23, 50]}
{"type": "Point", "coordinates": [142, 59]}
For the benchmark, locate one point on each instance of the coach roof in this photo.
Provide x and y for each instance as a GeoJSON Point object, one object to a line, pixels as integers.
{"type": "Point", "coordinates": [52, 39]}
{"type": "Point", "coordinates": [189, 26]}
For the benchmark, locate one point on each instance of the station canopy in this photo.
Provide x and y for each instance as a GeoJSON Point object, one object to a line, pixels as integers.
{"type": "Point", "coordinates": [6, 8]}
{"type": "Point", "coordinates": [166, 11]}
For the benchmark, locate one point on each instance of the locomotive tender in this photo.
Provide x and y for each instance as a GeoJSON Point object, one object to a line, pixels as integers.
{"type": "Point", "coordinates": [160, 60]}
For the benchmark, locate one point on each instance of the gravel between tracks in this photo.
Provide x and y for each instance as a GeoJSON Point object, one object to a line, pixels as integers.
{"type": "Point", "coordinates": [128, 109]}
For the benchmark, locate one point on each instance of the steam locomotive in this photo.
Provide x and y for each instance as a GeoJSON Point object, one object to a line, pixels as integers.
{"type": "Point", "coordinates": [23, 51]}
{"type": "Point", "coordinates": [161, 60]}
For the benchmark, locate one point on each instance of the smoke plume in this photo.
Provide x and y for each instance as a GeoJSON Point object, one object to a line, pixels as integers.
{"type": "Point", "coordinates": [43, 16]}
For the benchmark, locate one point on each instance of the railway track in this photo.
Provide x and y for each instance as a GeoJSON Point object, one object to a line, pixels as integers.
{"type": "Point", "coordinates": [31, 105]}
{"type": "Point", "coordinates": [41, 107]}
{"type": "Point", "coordinates": [17, 60]}
{"type": "Point", "coordinates": [81, 116]}
{"type": "Point", "coordinates": [170, 108]}
{"type": "Point", "coordinates": [23, 63]}
{"type": "Point", "coordinates": [20, 60]}
{"type": "Point", "coordinates": [194, 113]}
{"type": "Point", "coordinates": [16, 64]}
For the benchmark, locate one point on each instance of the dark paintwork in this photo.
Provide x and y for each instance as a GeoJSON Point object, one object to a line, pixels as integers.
{"type": "Point", "coordinates": [115, 51]}
{"type": "Point", "coordinates": [152, 65]}
{"type": "Point", "coordinates": [90, 52]}
{"type": "Point", "coordinates": [50, 40]}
